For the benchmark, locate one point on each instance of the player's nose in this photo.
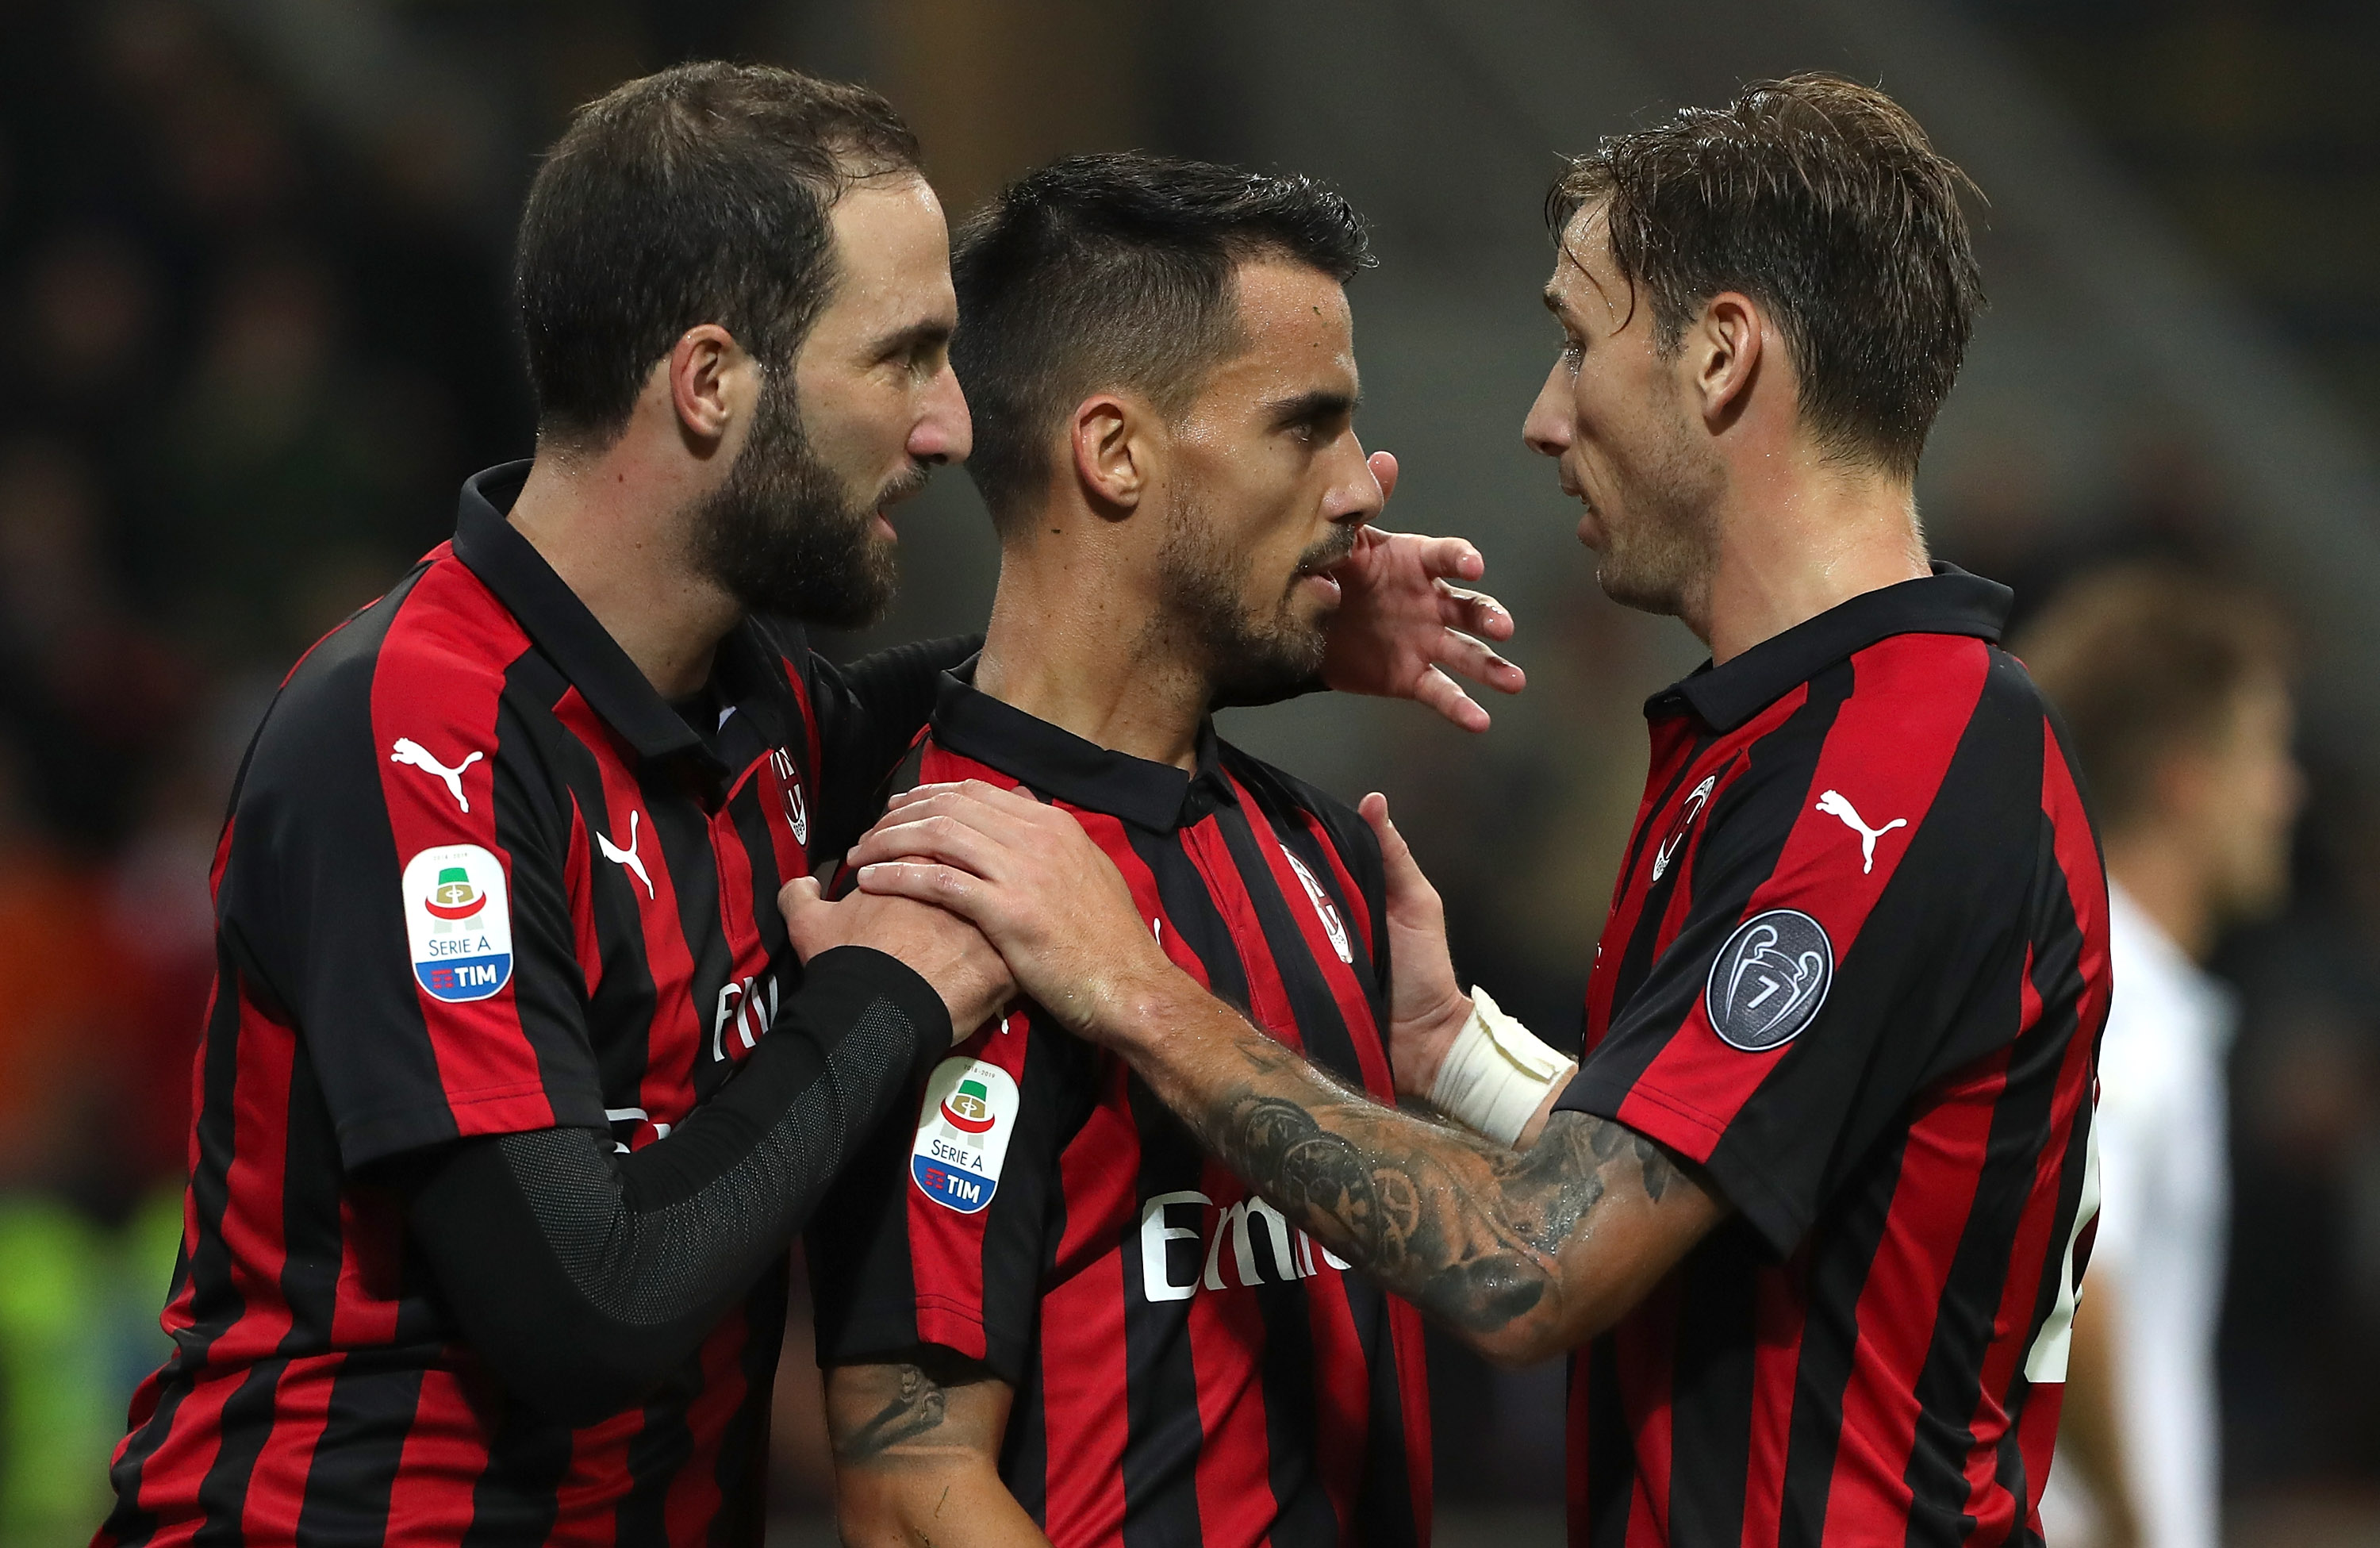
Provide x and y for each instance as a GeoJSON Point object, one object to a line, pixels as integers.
{"type": "Point", "coordinates": [1546, 428]}
{"type": "Point", "coordinates": [944, 431]}
{"type": "Point", "coordinates": [1355, 497]}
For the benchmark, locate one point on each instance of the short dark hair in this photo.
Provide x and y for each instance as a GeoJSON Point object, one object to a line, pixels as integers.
{"type": "Point", "coordinates": [1824, 202]}
{"type": "Point", "coordinates": [2145, 660]}
{"type": "Point", "coordinates": [1116, 273]}
{"type": "Point", "coordinates": [701, 194]}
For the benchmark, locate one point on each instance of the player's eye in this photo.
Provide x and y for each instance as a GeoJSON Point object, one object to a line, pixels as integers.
{"type": "Point", "coordinates": [1573, 354]}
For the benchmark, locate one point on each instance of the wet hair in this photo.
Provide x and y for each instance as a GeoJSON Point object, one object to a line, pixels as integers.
{"type": "Point", "coordinates": [1822, 200]}
{"type": "Point", "coordinates": [700, 194]}
{"type": "Point", "coordinates": [1114, 273]}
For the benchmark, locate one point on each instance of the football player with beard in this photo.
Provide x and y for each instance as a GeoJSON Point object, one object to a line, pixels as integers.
{"type": "Point", "coordinates": [482, 1241]}
{"type": "Point", "coordinates": [1047, 1315]}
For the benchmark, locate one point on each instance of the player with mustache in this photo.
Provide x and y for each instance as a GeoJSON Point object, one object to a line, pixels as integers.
{"type": "Point", "coordinates": [1047, 1315]}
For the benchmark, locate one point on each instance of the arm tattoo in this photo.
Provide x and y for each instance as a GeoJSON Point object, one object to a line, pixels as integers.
{"type": "Point", "coordinates": [917, 1405]}
{"type": "Point", "coordinates": [1457, 1225]}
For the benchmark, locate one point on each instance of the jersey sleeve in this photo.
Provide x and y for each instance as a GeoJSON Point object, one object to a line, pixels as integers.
{"type": "Point", "coordinates": [1850, 900]}
{"type": "Point", "coordinates": [942, 1230]}
{"type": "Point", "coordinates": [396, 886]}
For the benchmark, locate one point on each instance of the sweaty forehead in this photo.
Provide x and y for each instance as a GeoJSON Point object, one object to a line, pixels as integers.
{"type": "Point", "coordinates": [1586, 282]}
{"type": "Point", "coordinates": [1296, 332]}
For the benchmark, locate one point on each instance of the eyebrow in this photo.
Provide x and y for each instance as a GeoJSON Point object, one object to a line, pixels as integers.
{"type": "Point", "coordinates": [915, 336]}
{"type": "Point", "coordinates": [1323, 402]}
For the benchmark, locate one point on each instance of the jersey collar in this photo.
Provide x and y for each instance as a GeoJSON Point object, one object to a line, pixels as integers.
{"type": "Point", "coordinates": [1056, 762]}
{"type": "Point", "coordinates": [511, 566]}
{"type": "Point", "coordinates": [1948, 602]}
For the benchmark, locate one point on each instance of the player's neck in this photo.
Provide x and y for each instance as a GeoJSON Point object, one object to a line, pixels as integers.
{"type": "Point", "coordinates": [612, 524]}
{"type": "Point", "coordinates": [1799, 536]}
{"type": "Point", "coordinates": [2163, 877]}
{"type": "Point", "coordinates": [1070, 643]}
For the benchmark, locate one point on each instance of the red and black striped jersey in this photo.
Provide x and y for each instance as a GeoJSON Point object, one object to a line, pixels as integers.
{"type": "Point", "coordinates": [477, 878]}
{"type": "Point", "coordinates": [1856, 968]}
{"type": "Point", "coordinates": [1189, 1366]}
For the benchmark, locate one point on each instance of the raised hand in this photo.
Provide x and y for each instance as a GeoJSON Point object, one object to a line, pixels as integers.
{"type": "Point", "coordinates": [1405, 624]}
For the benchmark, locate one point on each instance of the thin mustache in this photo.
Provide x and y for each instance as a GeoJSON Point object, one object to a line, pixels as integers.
{"type": "Point", "coordinates": [901, 485]}
{"type": "Point", "coordinates": [1322, 555]}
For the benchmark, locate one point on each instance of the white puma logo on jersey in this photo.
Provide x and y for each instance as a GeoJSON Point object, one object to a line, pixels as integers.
{"type": "Point", "coordinates": [1834, 804]}
{"type": "Point", "coordinates": [626, 857]}
{"type": "Point", "coordinates": [407, 750]}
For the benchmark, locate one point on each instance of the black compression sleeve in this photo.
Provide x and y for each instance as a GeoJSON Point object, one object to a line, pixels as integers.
{"type": "Point", "coordinates": [584, 1276]}
{"type": "Point", "coordinates": [897, 686]}
{"type": "Point", "coordinates": [869, 712]}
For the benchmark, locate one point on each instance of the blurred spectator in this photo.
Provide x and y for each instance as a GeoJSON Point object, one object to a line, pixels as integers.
{"type": "Point", "coordinates": [2176, 697]}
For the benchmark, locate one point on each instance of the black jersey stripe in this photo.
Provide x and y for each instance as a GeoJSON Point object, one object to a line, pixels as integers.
{"type": "Point", "coordinates": [247, 1424]}
{"type": "Point", "coordinates": [310, 1233]}
{"type": "Point", "coordinates": [1841, 1252]}
{"type": "Point", "coordinates": [1161, 1380]}
{"type": "Point", "coordinates": [1610, 1463]}
{"type": "Point", "coordinates": [1711, 1378]}
{"type": "Point", "coordinates": [356, 1457]}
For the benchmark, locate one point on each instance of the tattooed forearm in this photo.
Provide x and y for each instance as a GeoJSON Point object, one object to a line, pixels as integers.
{"type": "Point", "coordinates": [1470, 1232]}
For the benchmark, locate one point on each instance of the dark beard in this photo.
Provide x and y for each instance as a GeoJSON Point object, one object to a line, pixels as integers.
{"type": "Point", "coordinates": [782, 535]}
{"type": "Point", "coordinates": [1250, 658]}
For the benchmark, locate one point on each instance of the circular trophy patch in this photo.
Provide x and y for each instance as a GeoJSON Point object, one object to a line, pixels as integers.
{"type": "Point", "coordinates": [1770, 978]}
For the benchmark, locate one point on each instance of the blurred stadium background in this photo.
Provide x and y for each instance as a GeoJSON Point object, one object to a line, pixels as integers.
{"type": "Point", "coordinates": [251, 304]}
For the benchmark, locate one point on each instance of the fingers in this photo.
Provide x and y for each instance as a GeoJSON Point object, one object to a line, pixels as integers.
{"type": "Point", "coordinates": [992, 797]}
{"type": "Point", "coordinates": [1472, 658]}
{"type": "Point", "coordinates": [1384, 471]}
{"type": "Point", "coordinates": [1009, 816]}
{"type": "Point", "coordinates": [1406, 883]}
{"type": "Point", "coordinates": [923, 834]}
{"type": "Point", "coordinates": [1438, 692]}
{"type": "Point", "coordinates": [1451, 559]}
{"type": "Point", "coordinates": [942, 885]}
{"type": "Point", "coordinates": [803, 903]}
{"type": "Point", "coordinates": [1474, 613]}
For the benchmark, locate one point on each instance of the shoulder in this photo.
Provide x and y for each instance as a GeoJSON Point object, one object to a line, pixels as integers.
{"type": "Point", "coordinates": [1284, 792]}
{"type": "Point", "coordinates": [1950, 724]}
{"type": "Point", "coordinates": [429, 661]}
{"type": "Point", "coordinates": [1286, 796]}
{"type": "Point", "coordinates": [437, 632]}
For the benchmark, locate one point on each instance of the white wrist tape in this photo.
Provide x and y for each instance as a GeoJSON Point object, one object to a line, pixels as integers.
{"type": "Point", "coordinates": [1496, 1074]}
